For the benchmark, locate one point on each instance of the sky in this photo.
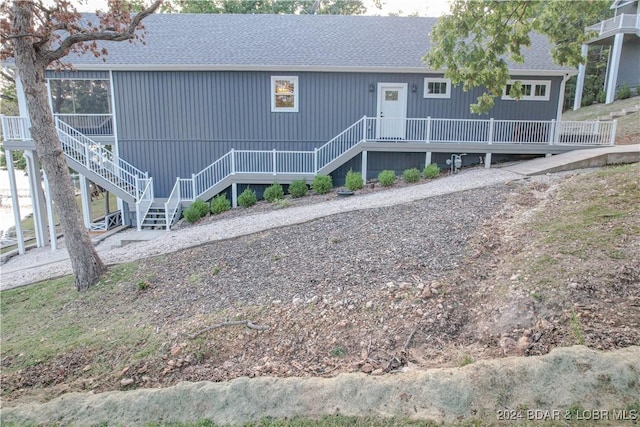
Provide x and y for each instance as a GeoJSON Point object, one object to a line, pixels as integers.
{"type": "Point", "coordinates": [406, 7]}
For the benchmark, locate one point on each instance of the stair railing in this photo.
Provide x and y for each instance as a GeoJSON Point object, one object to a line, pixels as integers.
{"type": "Point", "coordinates": [341, 143]}
{"type": "Point", "coordinates": [144, 200]}
{"type": "Point", "coordinates": [182, 191]}
{"type": "Point", "coordinates": [98, 159]}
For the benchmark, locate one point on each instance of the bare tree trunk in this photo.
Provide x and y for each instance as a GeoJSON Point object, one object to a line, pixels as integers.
{"type": "Point", "coordinates": [86, 264]}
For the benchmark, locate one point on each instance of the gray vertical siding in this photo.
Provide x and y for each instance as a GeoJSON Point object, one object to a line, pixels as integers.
{"type": "Point", "coordinates": [630, 63]}
{"type": "Point", "coordinates": [176, 123]}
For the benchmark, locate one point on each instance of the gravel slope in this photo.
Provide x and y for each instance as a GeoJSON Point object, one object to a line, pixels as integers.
{"type": "Point", "coordinates": [42, 263]}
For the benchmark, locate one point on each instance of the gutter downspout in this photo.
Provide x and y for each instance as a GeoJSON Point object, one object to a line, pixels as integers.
{"type": "Point", "coordinates": [561, 97]}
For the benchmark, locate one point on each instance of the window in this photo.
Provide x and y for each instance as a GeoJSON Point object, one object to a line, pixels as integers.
{"type": "Point", "coordinates": [437, 88]}
{"type": "Point", "coordinates": [80, 96]}
{"type": "Point", "coordinates": [284, 94]}
{"type": "Point", "coordinates": [532, 90]}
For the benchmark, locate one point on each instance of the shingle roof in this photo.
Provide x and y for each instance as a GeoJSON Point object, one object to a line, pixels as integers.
{"type": "Point", "coordinates": [286, 42]}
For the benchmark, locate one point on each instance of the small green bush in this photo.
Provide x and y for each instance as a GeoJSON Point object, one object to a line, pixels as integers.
{"type": "Point", "coordinates": [281, 203]}
{"type": "Point", "coordinates": [431, 171]}
{"type": "Point", "coordinates": [191, 214]}
{"type": "Point", "coordinates": [411, 175]}
{"type": "Point", "coordinates": [273, 192]}
{"type": "Point", "coordinates": [220, 204]}
{"type": "Point", "coordinates": [247, 198]}
{"type": "Point", "coordinates": [623, 92]}
{"type": "Point", "coordinates": [201, 206]}
{"type": "Point", "coordinates": [353, 180]}
{"type": "Point", "coordinates": [601, 97]}
{"type": "Point", "coordinates": [587, 100]}
{"type": "Point", "coordinates": [322, 184]}
{"type": "Point", "coordinates": [387, 178]}
{"type": "Point", "coordinates": [298, 188]}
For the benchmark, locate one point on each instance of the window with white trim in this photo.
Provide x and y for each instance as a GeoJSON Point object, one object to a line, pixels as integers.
{"type": "Point", "coordinates": [284, 94]}
{"type": "Point", "coordinates": [532, 90]}
{"type": "Point", "coordinates": [437, 87]}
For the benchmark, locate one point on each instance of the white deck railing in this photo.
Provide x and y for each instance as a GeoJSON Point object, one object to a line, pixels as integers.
{"type": "Point", "coordinates": [15, 128]}
{"type": "Point", "coordinates": [89, 124]}
{"type": "Point", "coordinates": [621, 22]}
{"type": "Point", "coordinates": [344, 141]}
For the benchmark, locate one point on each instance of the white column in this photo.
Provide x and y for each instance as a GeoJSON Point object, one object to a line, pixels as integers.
{"type": "Point", "coordinates": [22, 99]}
{"type": "Point", "coordinates": [234, 195]}
{"type": "Point", "coordinates": [15, 201]}
{"type": "Point", "coordinates": [114, 127]}
{"type": "Point", "coordinates": [85, 201]}
{"type": "Point", "coordinates": [427, 159]}
{"type": "Point", "coordinates": [37, 197]}
{"type": "Point", "coordinates": [582, 69]}
{"type": "Point", "coordinates": [364, 166]}
{"type": "Point", "coordinates": [52, 222]}
{"type": "Point", "coordinates": [612, 79]}
{"type": "Point", "coordinates": [487, 160]}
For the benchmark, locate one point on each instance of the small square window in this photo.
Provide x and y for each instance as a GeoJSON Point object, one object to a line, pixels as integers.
{"type": "Point", "coordinates": [284, 94]}
{"type": "Point", "coordinates": [390, 95]}
{"type": "Point", "coordinates": [437, 88]}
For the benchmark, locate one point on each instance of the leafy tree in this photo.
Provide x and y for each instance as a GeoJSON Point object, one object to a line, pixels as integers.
{"type": "Point", "coordinates": [326, 7]}
{"type": "Point", "coordinates": [37, 35]}
{"type": "Point", "coordinates": [474, 42]}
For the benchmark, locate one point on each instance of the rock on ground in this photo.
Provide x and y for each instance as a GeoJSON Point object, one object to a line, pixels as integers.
{"type": "Point", "coordinates": [565, 377]}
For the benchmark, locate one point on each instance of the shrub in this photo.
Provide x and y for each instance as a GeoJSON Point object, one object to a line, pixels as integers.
{"type": "Point", "coordinates": [587, 100]}
{"type": "Point", "coordinates": [247, 198]}
{"type": "Point", "coordinates": [281, 203]}
{"type": "Point", "coordinates": [623, 92]}
{"type": "Point", "coordinates": [387, 177]}
{"type": "Point", "coordinates": [601, 97]}
{"type": "Point", "coordinates": [322, 184]}
{"type": "Point", "coordinates": [273, 192]}
{"type": "Point", "coordinates": [411, 175]}
{"type": "Point", "coordinates": [298, 188]}
{"type": "Point", "coordinates": [431, 171]}
{"type": "Point", "coordinates": [201, 206]}
{"type": "Point", "coordinates": [220, 204]}
{"type": "Point", "coordinates": [354, 180]}
{"type": "Point", "coordinates": [191, 214]}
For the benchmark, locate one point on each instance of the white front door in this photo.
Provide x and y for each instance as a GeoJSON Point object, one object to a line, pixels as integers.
{"type": "Point", "coordinates": [392, 110]}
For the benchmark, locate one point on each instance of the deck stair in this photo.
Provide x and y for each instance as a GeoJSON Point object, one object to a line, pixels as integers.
{"type": "Point", "coordinates": [155, 218]}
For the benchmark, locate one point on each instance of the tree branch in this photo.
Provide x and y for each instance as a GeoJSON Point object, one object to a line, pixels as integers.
{"type": "Point", "coordinates": [129, 33]}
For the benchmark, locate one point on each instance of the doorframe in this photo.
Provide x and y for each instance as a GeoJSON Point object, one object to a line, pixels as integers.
{"type": "Point", "coordinates": [404, 87]}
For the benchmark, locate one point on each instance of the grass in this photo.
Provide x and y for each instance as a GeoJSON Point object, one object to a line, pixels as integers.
{"type": "Point", "coordinates": [627, 125]}
{"type": "Point", "coordinates": [61, 320]}
{"type": "Point", "coordinates": [595, 210]}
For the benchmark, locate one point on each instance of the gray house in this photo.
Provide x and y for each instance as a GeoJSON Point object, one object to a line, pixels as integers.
{"type": "Point", "coordinates": [210, 102]}
{"type": "Point", "coordinates": [622, 34]}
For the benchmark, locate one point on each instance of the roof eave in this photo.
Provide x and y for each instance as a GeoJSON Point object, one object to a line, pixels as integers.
{"type": "Point", "coordinates": [297, 68]}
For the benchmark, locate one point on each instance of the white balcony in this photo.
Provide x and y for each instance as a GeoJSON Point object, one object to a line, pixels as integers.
{"type": "Point", "coordinates": [623, 23]}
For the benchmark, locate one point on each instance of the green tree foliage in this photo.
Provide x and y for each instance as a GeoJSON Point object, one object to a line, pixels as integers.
{"type": "Point", "coordinates": [478, 40]}
{"type": "Point", "coordinates": [324, 7]}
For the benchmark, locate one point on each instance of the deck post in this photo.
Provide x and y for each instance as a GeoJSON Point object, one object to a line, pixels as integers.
{"type": "Point", "coordinates": [487, 156]}
{"type": "Point", "coordinates": [364, 166]}
{"type": "Point", "coordinates": [233, 161]}
{"type": "Point", "coordinates": [52, 223]}
{"type": "Point", "coordinates": [85, 200]}
{"type": "Point", "coordinates": [614, 66]}
{"type": "Point", "coordinates": [364, 128]}
{"type": "Point", "coordinates": [582, 69]}
{"type": "Point", "coordinates": [15, 201]}
{"type": "Point", "coordinates": [274, 163]}
{"type": "Point", "coordinates": [427, 159]}
{"type": "Point", "coordinates": [315, 160]}
{"type": "Point", "coordinates": [37, 196]}
{"type": "Point", "coordinates": [234, 195]}
{"type": "Point", "coordinates": [612, 137]}
{"type": "Point", "coordinates": [428, 135]}
{"type": "Point", "coordinates": [552, 132]}
{"type": "Point", "coordinates": [193, 186]}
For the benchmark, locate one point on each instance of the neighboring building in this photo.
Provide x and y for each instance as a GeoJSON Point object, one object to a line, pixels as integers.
{"type": "Point", "coordinates": [217, 100]}
{"type": "Point", "coordinates": [622, 34]}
